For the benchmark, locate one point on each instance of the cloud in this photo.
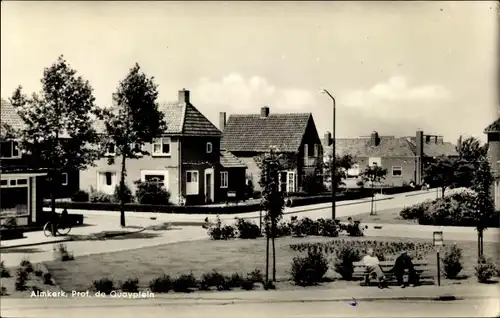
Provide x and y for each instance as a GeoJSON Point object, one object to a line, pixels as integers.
{"type": "Point", "coordinates": [396, 89]}
{"type": "Point", "coordinates": [236, 94]}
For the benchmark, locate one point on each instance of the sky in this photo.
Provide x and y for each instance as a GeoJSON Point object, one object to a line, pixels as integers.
{"type": "Point", "coordinates": [393, 67]}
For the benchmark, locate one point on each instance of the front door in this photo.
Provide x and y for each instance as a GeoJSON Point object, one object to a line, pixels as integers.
{"type": "Point", "coordinates": [208, 188]}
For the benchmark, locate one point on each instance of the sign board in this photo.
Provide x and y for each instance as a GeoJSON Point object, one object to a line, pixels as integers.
{"type": "Point", "coordinates": [231, 194]}
{"type": "Point", "coordinates": [437, 238]}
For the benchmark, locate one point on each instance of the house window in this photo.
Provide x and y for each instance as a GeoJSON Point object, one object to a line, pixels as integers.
{"type": "Point", "coordinates": [224, 177]}
{"type": "Point", "coordinates": [13, 182]}
{"type": "Point", "coordinates": [9, 150]}
{"type": "Point", "coordinates": [159, 177]}
{"type": "Point", "coordinates": [3, 182]}
{"type": "Point", "coordinates": [137, 147]}
{"type": "Point", "coordinates": [397, 171]}
{"type": "Point", "coordinates": [64, 178]}
{"type": "Point", "coordinates": [306, 150]}
{"type": "Point", "coordinates": [161, 146]}
{"type": "Point", "coordinates": [209, 147]}
{"type": "Point", "coordinates": [291, 181]}
{"type": "Point", "coordinates": [316, 150]}
{"type": "Point", "coordinates": [108, 178]}
{"type": "Point", "coordinates": [111, 150]}
{"type": "Point", "coordinates": [192, 183]}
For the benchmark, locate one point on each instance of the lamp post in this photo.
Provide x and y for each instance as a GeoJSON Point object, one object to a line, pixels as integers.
{"type": "Point", "coordinates": [334, 157]}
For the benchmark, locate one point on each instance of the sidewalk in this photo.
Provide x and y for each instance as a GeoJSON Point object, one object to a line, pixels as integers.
{"type": "Point", "coordinates": [475, 291]}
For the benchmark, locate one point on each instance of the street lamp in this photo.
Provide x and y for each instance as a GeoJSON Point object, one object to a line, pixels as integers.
{"type": "Point", "coordinates": [334, 157]}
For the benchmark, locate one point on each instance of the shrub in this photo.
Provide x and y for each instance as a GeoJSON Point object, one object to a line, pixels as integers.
{"type": "Point", "coordinates": [247, 284]}
{"type": "Point", "coordinates": [313, 184]}
{"type": "Point", "coordinates": [452, 262]}
{"type": "Point", "coordinates": [247, 229]}
{"type": "Point", "coordinates": [345, 256]}
{"type": "Point", "coordinates": [220, 232]}
{"type": "Point", "coordinates": [184, 283]}
{"type": "Point", "coordinates": [151, 193]}
{"type": "Point", "coordinates": [3, 291]}
{"type": "Point", "coordinates": [269, 285]}
{"type": "Point", "coordinates": [309, 270]}
{"type": "Point", "coordinates": [28, 267]}
{"type": "Point", "coordinates": [21, 279]}
{"type": "Point", "coordinates": [485, 269]}
{"type": "Point", "coordinates": [38, 273]}
{"type": "Point", "coordinates": [47, 279]}
{"type": "Point", "coordinates": [328, 228]}
{"type": "Point", "coordinates": [256, 276]}
{"type": "Point", "coordinates": [283, 229]}
{"type": "Point", "coordinates": [257, 194]}
{"type": "Point", "coordinates": [100, 197]}
{"type": "Point", "coordinates": [235, 280]}
{"type": "Point", "coordinates": [4, 272]}
{"type": "Point", "coordinates": [80, 196]}
{"type": "Point", "coordinates": [104, 285]}
{"type": "Point", "coordinates": [127, 195]}
{"type": "Point", "coordinates": [162, 284]}
{"type": "Point", "coordinates": [131, 285]}
{"type": "Point", "coordinates": [61, 253]}
{"type": "Point", "coordinates": [215, 279]}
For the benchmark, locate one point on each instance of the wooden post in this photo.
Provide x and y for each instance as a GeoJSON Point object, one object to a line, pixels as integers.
{"type": "Point", "coordinates": [438, 268]}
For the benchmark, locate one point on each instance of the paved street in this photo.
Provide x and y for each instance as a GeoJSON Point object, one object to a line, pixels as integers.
{"type": "Point", "coordinates": [91, 307]}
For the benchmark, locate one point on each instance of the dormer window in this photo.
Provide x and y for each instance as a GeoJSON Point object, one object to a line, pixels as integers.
{"type": "Point", "coordinates": [209, 147]}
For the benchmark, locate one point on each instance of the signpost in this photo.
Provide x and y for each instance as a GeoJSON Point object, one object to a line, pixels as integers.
{"type": "Point", "coordinates": [437, 240]}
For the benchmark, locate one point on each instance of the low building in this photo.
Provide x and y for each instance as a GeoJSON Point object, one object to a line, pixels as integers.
{"type": "Point", "coordinates": [403, 157]}
{"type": "Point", "coordinates": [493, 134]}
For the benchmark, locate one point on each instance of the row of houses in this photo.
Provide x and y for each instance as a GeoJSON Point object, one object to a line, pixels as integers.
{"type": "Point", "coordinates": [196, 160]}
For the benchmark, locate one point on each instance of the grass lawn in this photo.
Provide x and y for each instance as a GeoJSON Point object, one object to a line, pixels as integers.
{"type": "Point", "coordinates": [199, 257]}
{"type": "Point", "coordinates": [389, 216]}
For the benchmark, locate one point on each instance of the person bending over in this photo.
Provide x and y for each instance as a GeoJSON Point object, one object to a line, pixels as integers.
{"type": "Point", "coordinates": [402, 263]}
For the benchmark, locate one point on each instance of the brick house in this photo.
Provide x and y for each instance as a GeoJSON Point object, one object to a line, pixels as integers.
{"type": "Point", "coordinates": [493, 133]}
{"type": "Point", "coordinates": [293, 134]}
{"type": "Point", "coordinates": [403, 157]}
{"type": "Point", "coordinates": [12, 156]}
{"type": "Point", "coordinates": [186, 159]}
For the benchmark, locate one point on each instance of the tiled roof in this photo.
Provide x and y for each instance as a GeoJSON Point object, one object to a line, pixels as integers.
{"type": "Point", "coordinates": [9, 116]}
{"type": "Point", "coordinates": [361, 147]}
{"type": "Point", "coordinates": [182, 119]}
{"type": "Point", "coordinates": [389, 147]}
{"type": "Point", "coordinates": [494, 127]}
{"type": "Point", "coordinates": [252, 133]}
{"type": "Point", "coordinates": [228, 160]}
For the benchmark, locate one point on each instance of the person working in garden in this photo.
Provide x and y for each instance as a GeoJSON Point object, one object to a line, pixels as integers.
{"type": "Point", "coordinates": [372, 266]}
{"type": "Point", "coordinates": [404, 262]}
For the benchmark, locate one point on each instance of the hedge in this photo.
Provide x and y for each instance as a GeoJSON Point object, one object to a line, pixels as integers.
{"type": "Point", "coordinates": [11, 234]}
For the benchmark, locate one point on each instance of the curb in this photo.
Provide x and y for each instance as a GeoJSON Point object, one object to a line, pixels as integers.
{"type": "Point", "coordinates": [62, 240]}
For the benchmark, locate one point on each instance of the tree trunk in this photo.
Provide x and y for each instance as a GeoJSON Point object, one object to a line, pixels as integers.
{"type": "Point", "coordinates": [442, 192]}
{"type": "Point", "coordinates": [122, 192]}
{"type": "Point", "coordinates": [273, 236]}
{"type": "Point", "coordinates": [373, 199]}
{"type": "Point", "coordinates": [267, 252]}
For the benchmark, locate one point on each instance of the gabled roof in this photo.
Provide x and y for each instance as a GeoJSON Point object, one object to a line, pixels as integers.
{"type": "Point", "coordinates": [493, 127]}
{"type": "Point", "coordinates": [9, 116]}
{"type": "Point", "coordinates": [228, 160]}
{"type": "Point", "coordinates": [435, 149]}
{"type": "Point", "coordinates": [253, 133]}
{"type": "Point", "coordinates": [182, 119]}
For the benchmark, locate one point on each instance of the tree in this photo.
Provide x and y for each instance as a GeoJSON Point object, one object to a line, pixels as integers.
{"type": "Point", "coordinates": [342, 164]}
{"type": "Point", "coordinates": [373, 174]}
{"type": "Point", "coordinates": [483, 203]}
{"type": "Point", "coordinates": [470, 152]}
{"type": "Point", "coordinates": [58, 123]}
{"type": "Point", "coordinates": [133, 121]}
{"type": "Point", "coordinates": [440, 173]}
{"type": "Point", "coordinates": [272, 201]}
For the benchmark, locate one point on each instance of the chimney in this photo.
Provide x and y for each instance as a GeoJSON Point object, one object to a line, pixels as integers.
{"type": "Point", "coordinates": [114, 99]}
{"type": "Point", "coordinates": [374, 139]}
{"type": "Point", "coordinates": [184, 96]}
{"type": "Point", "coordinates": [328, 139]}
{"type": "Point", "coordinates": [419, 152]}
{"type": "Point", "coordinates": [435, 139]}
{"type": "Point", "coordinates": [264, 112]}
{"type": "Point", "coordinates": [222, 121]}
